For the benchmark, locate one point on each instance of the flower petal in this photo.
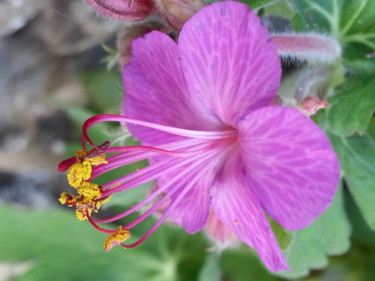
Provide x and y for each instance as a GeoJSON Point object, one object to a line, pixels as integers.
{"type": "Point", "coordinates": [290, 165]}
{"type": "Point", "coordinates": [234, 203]}
{"type": "Point", "coordinates": [156, 90]}
{"type": "Point", "coordinates": [127, 10]}
{"type": "Point", "coordinates": [192, 212]}
{"type": "Point", "coordinates": [229, 60]}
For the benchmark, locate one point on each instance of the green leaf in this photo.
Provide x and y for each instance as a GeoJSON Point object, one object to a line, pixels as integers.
{"type": "Point", "coordinates": [60, 248]}
{"type": "Point", "coordinates": [257, 4]}
{"type": "Point", "coordinates": [318, 15]}
{"type": "Point", "coordinates": [211, 269]}
{"type": "Point", "coordinates": [240, 265]}
{"type": "Point", "coordinates": [281, 9]}
{"type": "Point", "coordinates": [357, 158]}
{"type": "Point", "coordinates": [283, 236]}
{"type": "Point", "coordinates": [352, 22]}
{"type": "Point", "coordinates": [351, 109]}
{"type": "Point", "coordinates": [328, 235]}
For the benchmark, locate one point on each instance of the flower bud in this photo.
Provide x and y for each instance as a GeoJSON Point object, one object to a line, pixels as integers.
{"type": "Point", "coordinates": [177, 12]}
{"type": "Point", "coordinates": [124, 10]}
{"type": "Point", "coordinates": [128, 34]}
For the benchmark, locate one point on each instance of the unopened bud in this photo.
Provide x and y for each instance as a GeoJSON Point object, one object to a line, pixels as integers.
{"type": "Point", "coordinates": [124, 10]}
{"type": "Point", "coordinates": [177, 12]}
{"type": "Point", "coordinates": [128, 34]}
{"type": "Point", "coordinates": [312, 47]}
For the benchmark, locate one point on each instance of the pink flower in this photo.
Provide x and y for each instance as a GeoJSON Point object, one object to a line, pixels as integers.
{"type": "Point", "coordinates": [126, 10]}
{"type": "Point", "coordinates": [201, 109]}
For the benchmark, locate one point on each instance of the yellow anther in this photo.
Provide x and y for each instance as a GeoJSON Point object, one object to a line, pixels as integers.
{"type": "Point", "coordinates": [89, 190]}
{"type": "Point", "coordinates": [81, 214]}
{"type": "Point", "coordinates": [99, 203]}
{"type": "Point", "coordinates": [97, 160]}
{"type": "Point", "coordinates": [116, 238]}
{"type": "Point", "coordinates": [65, 198]}
{"type": "Point", "coordinates": [79, 172]}
{"type": "Point", "coordinates": [86, 206]}
{"type": "Point", "coordinates": [88, 193]}
{"type": "Point", "coordinates": [81, 154]}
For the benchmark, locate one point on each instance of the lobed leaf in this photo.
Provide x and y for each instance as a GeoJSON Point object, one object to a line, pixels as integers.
{"type": "Point", "coordinates": [328, 235]}
{"type": "Point", "coordinates": [357, 158]}
{"type": "Point", "coordinates": [351, 109]}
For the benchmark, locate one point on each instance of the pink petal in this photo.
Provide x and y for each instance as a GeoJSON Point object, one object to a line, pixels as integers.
{"type": "Point", "coordinates": [238, 207]}
{"type": "Point", "coordinates": [229, 60]}
{"type": "Point", "coordinates": [290, 165]}
{"type": "Point", "coordinates": [126, 10]}
{"type": "Point", "coordinates": [156, 90]}
{"type": "Point", "coordinates": [192, 212]}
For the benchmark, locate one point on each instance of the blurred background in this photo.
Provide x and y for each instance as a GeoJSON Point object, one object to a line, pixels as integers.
{"type": "Point", "coordinates": [53, 75]}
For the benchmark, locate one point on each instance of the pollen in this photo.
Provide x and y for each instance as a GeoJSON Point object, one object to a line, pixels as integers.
{"type": "Point", "coordinates": [94, 161]}
{"type": "Point", "coordinates": [89, 190]}
{"type": "Point", "coordinates": [86, 206]}
{"type": "Point", "coordinates": [82, 169]}
{"type": "Point", "coordinates": [66, 198]}
{"type": "Point", "coordinates": [79, 172]}
{"type": "Point", "coordinates": [116, 238]}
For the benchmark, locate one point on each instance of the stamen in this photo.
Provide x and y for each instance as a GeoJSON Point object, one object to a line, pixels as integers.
{"type": "Point", "coordinates": [172, 130]}
{"type": "Point", "coordinates": [169, 209]}
{"type": "Point", "coordinates": [189, 155]}
{"type": "Point", "coordinates": [154, 171]}
{"type": "Point", "coordinates": [195, 162]}
{"type": "Point", "coordinates": [116, 238]}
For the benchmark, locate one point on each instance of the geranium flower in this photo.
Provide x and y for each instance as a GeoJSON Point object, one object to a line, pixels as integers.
{"type": "Point", "coordinates": [201, 109]}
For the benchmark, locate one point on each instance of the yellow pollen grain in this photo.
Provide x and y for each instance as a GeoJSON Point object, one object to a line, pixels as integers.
{"type": "Point", "coordinates": [89, 190]}
{"type": "Point", "coordinates": [65, 197]}
{"type": "Point", "coordinates": [81, 214]}
{"type": "Point", "coordinates": [116, 238]}
{"type": "Point", "coordinates": [235, 222]}
{"type": "Point", "coordinates": [86, 206]}
{"type": "Point", "coordinates": [94, 161]}
{"type": "Point", "coordinates": [81, 154]}
{"type": "Point", "coordinates": [79, 172]}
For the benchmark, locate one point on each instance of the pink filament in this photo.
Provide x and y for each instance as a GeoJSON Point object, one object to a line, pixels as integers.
{"type": "Point", "coordinates": [175, 131]}
{"type": "Point", "coordinates": [198, 153]}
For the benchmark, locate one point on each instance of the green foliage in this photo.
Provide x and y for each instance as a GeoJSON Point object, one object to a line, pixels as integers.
{"type": "Point", "coordinates": [328, 235]}
{"type": "Point", "coordinates": [350, 21]}
{"type": "Point", "coordinates": [211, 269]}
{"type": "Point", "coordinates": [60, 248]}
{"type": "Point", "coordinates": [283, 236]}
{"type": "Point", "coordinates": [257, 4]}
{"type": "Point", "coordinates": [242, 265]}
{"type": "Point", "coordinates": [352, 107]}
{"type": "Point", "coordinates": [357, 158]}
